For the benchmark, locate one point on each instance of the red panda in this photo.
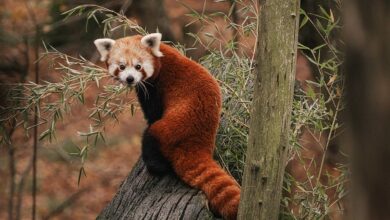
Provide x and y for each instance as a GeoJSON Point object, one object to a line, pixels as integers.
{"type": "Point", "coordinates": [181, 102]}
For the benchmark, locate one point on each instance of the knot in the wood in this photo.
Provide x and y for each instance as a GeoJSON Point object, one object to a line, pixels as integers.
{"type": "Point", "coordinates": [256, 165]}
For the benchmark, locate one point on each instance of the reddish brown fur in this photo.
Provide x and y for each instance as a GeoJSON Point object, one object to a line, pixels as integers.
{"type": "Point", "coordinates": [143, 74]}
{"type": "Point", "coordinates": [116, 72]}
{"type": "Point", "coordinates": [191, 100]}
{"type": "Point", "coordinates": [187, 130]}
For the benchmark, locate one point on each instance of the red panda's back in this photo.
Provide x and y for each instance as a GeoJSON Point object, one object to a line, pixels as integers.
{"type": "Point", "coordinates": [192, 104]}
{"type": "Point", "coordinates": [188, 86]}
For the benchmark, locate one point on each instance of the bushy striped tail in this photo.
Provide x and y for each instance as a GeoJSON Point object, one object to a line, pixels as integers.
{"type": "Point", "coordinates": [200, 171]}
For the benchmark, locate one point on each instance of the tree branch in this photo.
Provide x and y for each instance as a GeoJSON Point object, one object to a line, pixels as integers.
{"type": "Point", "coordinates": [142, 196]}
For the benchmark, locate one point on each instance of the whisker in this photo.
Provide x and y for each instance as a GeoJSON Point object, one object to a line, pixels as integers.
{"type": "Point", "coordinates": [150, 84]}
{"type": "Point", "coordinates": [145, 89]}
{"type": "Point", "coordinates": [136, 88]}
{"type": "Point", "coordinates": [147, 82]}
{"type": "Point", "coordinates": [139, 86]}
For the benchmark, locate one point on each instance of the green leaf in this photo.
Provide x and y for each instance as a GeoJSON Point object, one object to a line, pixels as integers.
{"type": "Point", "coordinates": [45, 134]}
{"type": "Point", "coordinates": [304, 21]}
{"type": "Point", "coordinates": [81, 172]}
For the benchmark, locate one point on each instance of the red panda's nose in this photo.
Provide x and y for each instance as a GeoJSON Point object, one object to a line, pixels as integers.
{"type": "Point", "coordinates": [130, 79]}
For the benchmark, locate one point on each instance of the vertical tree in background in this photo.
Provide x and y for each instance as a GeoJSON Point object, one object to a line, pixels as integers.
{"type": "Point", "coordinates": [271, 109]}
{"type": "Point", "coordinates": [368, 96]}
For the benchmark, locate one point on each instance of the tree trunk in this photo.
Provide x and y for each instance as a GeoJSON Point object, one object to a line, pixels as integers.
{"type": "Point", "coordinates": [142, 196]}
{"type": "Point", "coordinates": [368, 95]}
{"type": "Point", "coordinates": [271, 110]}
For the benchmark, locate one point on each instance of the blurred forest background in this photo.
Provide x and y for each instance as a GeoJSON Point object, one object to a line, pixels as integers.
{"type": "Point", "coordinates": [222, 36]}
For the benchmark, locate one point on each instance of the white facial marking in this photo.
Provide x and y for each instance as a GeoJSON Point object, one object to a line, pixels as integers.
{"type": "Point", "coordinates": [153, 41]}
{"type": "Point", "coordinates": [123, 75]}
{"type": "Point", "coordinates": [126, 65]}
{"type": "Point", "coordinates": [104, 45]}
{"type": "Point", "coordinates": [112, 68]}
{"type": "Point", "coordinates": [148, 68]}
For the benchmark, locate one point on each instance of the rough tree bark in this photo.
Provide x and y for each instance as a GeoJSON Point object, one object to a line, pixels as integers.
{"type": "Point", "coordinates": [142, 196]}
{"type": "Point", "coordinates": [368, 96]}
{"type": "Point", "coordinates": [271, 109]}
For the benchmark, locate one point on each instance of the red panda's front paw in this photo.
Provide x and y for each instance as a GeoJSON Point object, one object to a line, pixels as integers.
{"type": "Point", "coordinates": [155, 162]}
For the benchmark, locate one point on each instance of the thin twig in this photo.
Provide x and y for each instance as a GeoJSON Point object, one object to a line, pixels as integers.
{"type": "Point", "coordinates": [20, 190]}
{"type": "Point", "coordinates": [35, 144]}
{"type": "Point", "coordinates": [12, 169]}
{"type": "Point", "coordinates": [59, 209]}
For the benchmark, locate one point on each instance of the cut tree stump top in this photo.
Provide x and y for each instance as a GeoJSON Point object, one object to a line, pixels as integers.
{"type": "Point", "coordinates": [142, 196]}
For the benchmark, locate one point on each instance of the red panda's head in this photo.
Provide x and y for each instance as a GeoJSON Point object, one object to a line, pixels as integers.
{"type": "Point", "coordinates": [131, 59]}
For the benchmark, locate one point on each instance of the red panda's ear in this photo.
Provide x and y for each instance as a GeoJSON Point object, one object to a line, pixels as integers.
{"type": "Point", "coordinates": [104, 46]}
{"type": "Point", "coordinates": [153, 42]}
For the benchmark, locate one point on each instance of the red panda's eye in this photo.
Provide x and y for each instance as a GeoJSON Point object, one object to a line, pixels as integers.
{"type": "Point", "coordinates": [122, 67]}
{"type": "Point", "coordinates": [137, 67]}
